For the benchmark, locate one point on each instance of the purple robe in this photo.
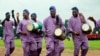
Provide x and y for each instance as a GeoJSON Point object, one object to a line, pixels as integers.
{"type": "Point", "coordinates": [8, 37]}
{"type": "Point", "coordinates": [28, 41]}
{"type": "Point", "coordinates": [80, 41]}
{"type": "Point", "coordinates": [38, 39]}
{"type": "Point", "coordinates": [98, 24]}
{"type": "Point", "coordinates": [54, 46]}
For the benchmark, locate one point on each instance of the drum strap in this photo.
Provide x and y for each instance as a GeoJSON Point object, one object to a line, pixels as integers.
{"type": "Point", "coordinates": [58, 24]}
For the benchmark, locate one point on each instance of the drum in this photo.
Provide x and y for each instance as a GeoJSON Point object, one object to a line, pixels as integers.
{"type": "Point", "coordinates": [33, 26]}
{"type": "Point", "coordinates": [59, 34]}
{"type": "Point", "coordinates": [30, 27]}
{"type": "Point", "coordinates": [86, 28]}
{"type": "Point", "coordinates": [39, 26]}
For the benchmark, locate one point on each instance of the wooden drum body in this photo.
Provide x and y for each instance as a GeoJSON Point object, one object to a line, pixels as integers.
{"type": "Point", "coordinates": [34, 26]}
{"type": "Point", "coordinates": [86, 28]}
{"type": "Point", "coordinates": [59, 34]}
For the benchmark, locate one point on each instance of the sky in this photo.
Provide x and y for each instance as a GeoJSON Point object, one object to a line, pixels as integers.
{"type": "Point", "coordinates": [41, 7]}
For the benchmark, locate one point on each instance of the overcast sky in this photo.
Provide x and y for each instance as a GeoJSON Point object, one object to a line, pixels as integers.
{"type": "Point", "coordinates": [41, 7]}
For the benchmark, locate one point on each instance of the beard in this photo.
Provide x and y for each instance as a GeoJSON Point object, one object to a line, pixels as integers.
{"type": "Point", "coordinates": [53, 16]}
{"type": "Point", "coordinates": [75, 15]}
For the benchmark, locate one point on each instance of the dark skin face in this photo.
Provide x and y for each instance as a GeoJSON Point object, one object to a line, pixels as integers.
{"type": "Point", "coordinates": [75, 13]}
{"type": "Point", "coordinates": [8, 17]}
{"type": "Point", "coordinates": [34, 17]}
{"type": "Point", "coordinates": [53, 14]}
{"type": "Point", "coordinates": [25, 15]}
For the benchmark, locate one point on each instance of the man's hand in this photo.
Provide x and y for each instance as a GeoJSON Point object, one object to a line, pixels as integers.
{"type": "Point", "coordinates": [23, 33]}
{"type": "Point", "coordinates": [76, 33]}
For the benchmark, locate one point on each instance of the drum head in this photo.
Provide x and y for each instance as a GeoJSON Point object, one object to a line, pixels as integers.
{"type": "Point", "coordinates": [58, 32]}
{"type": "Point", "coordinates": [29, 27]}
{"type": "Point", "coordinates": [36, 25]}
{"type": "Point", "coordinates": [85, 27]}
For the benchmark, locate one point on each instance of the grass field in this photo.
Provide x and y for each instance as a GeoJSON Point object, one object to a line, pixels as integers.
{"type": "Point", "coordinates": [94, 48]}
{"type": "Point", "coordinates": [93, 44]}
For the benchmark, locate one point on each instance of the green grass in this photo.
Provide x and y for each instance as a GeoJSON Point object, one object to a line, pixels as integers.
{"type": "Point", "coordinates": [17, 43]}
{"type": "Point", "coordinates": [93, 44]}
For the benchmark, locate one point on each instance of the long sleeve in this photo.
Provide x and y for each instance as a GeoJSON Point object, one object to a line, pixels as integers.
{"type": "Point", "coordinates": [3, 22]}
{"type": "Point", "coordinates": [70, 28]}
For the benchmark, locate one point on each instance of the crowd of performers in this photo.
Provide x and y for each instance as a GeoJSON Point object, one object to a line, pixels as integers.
{"type": "Point", "coordinates": [32, 40]}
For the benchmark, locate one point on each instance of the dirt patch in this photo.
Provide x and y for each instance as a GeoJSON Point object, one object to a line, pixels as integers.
{"type": "Point", "coordinates": [67, 52]}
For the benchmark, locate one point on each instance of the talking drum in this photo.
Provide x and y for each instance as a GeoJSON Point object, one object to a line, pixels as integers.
{"type": "Point", "coordinates": [33, 26]}
{"type": "Point", "coordinates": [30, 27]}
{"type": "Point", "coordinates": [39, 25]}
{"type": "Point", "coordinates": [59, 34]}
{"type": "Point", "coordinates": [86, 28]}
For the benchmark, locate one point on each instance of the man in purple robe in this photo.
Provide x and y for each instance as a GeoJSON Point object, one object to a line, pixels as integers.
{"type": "Point", "coordinates": [37, 35]}
{"type": "Point", "coordinates": [8, 34]}
{"type": "Point", "coordinates": [54, 46]}
{"type": "Point", "coordinates": [28, 41]}
{"type": "Point", "coordinates": [96, 22]}
{"type": "Point", "coordinates": [80, 39]}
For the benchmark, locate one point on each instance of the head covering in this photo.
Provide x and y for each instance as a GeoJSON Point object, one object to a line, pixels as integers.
{"type": "Point", "coordinates": [33, 14]}
{"type": "Point", "coordinates": [75, 8]}
{"type": "Point", "coordinates": [25, 10]}
{"type": "Point", "coordinates": [7, 13]}
{"type": "Point", "coordinates": [52, 8]}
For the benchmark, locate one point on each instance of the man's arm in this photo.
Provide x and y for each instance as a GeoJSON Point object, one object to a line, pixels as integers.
{"type": "Point", "coordinates": [97, 23]}
{"type": "Point", "coordinates": [70, 28]}
{"type": "Point", "coordinates": [19, 29]}
{"type": "Point", "coordinates": [2, 23]}
{"type": "Point", "coordinates": [13, 16]}
{"type": "Point", "coordinates": [92, 19]}
{"type": "Point", "coordinates": [62, 25]}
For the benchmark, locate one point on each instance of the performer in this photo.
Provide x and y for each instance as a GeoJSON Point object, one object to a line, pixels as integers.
{"type": "Point", "coordinates": [54, 46]}
{"type": "Point", "coordinates": [16, 22]}
{"type": "Point", "coordinates": [79, 38]}
{"type": "Point", "coordinates": [38, 36]}
{"type": "Point", "coordinates": [8, 34]}
{"type": "Point", "coordinates": [97, 23]}
{"type": "Point", "coordinates": [28, 41]}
